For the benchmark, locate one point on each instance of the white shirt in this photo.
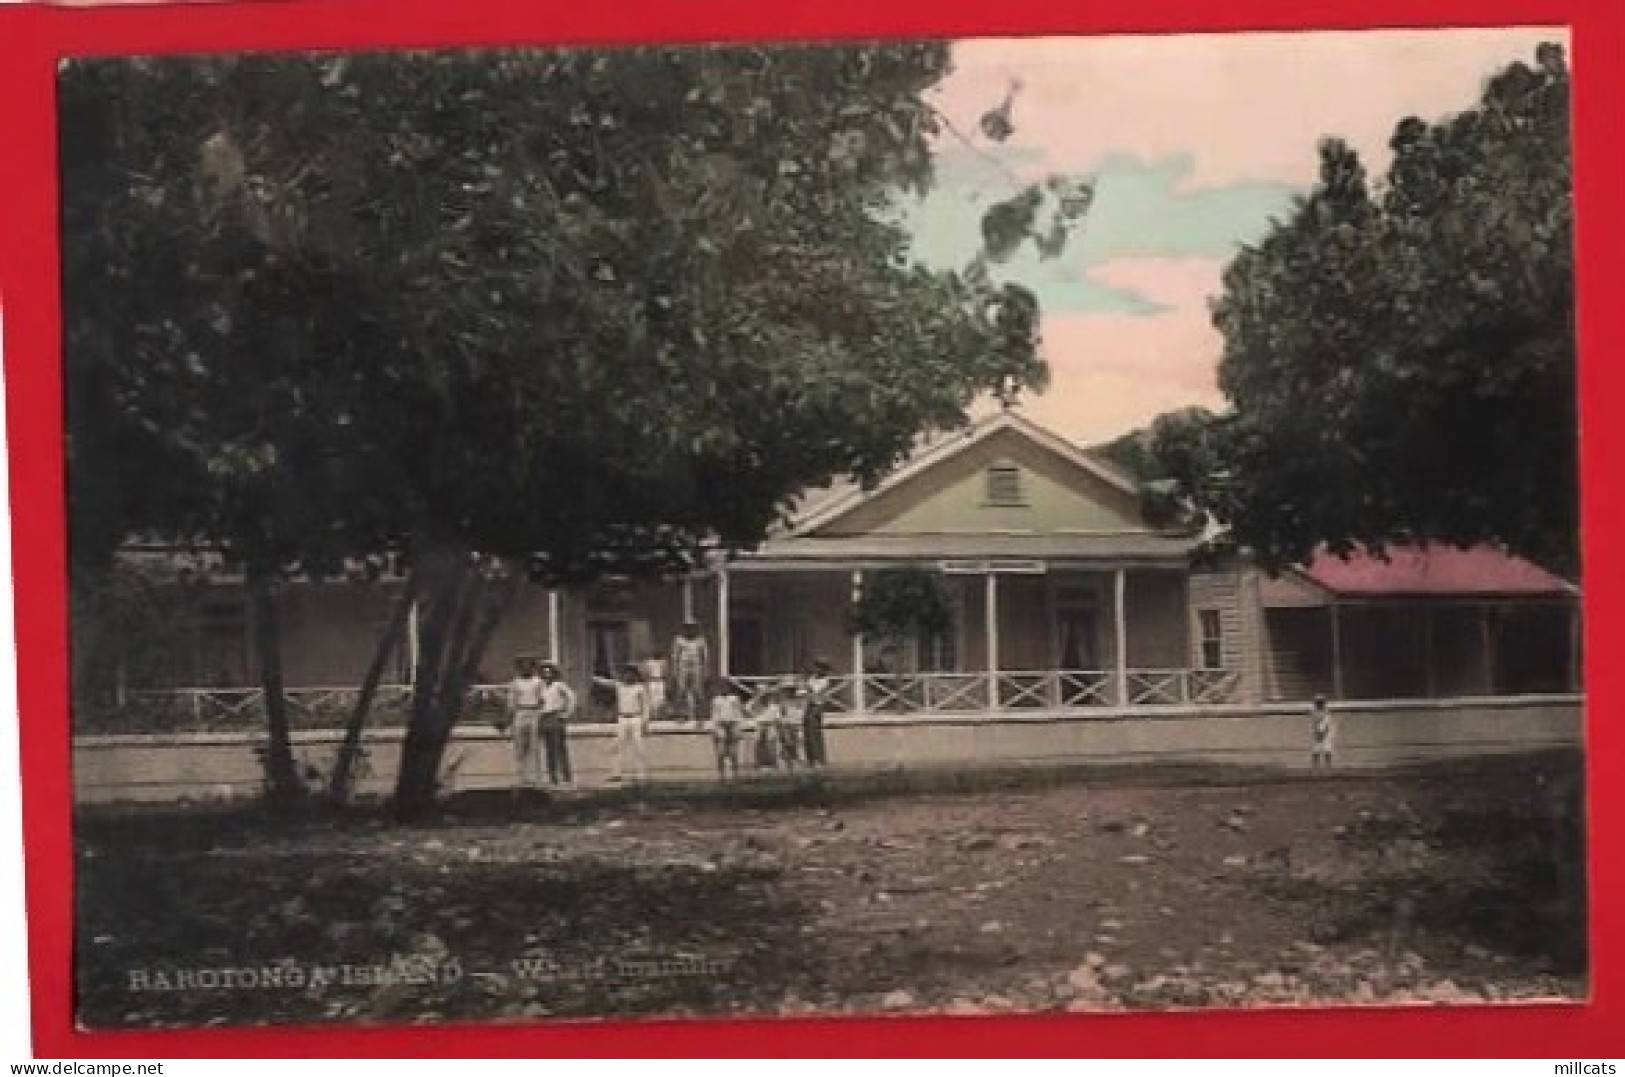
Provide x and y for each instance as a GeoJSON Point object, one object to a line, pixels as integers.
{"type": "Point", "coordinates": [557, 698]}
{"type": "Point", "coordinates": [525, 693]}
{"type": "Point", "coordinates": [631, 700]}
{"type": "Point", "coordinates": [727, 710]}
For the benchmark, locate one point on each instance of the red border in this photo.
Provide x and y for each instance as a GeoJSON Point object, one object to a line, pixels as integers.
{"type": "Point", "coordinates": [33, 39]}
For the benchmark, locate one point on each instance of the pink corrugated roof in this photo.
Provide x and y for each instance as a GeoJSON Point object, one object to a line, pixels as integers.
{"type": "Point", "coordinates": [1434, 570]}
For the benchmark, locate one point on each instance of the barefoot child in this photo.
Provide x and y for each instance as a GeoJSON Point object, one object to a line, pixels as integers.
{"type": "Point", "coordinates": [769, 729]}
{"type": "Point", "coordinates": [1323, 733]}
{"type": "Point", "coordinates": [727, 725]}
{"type": "Point", "coordinates": [790, 732]}
{"type": "Point", "coordinates": [819, 687]}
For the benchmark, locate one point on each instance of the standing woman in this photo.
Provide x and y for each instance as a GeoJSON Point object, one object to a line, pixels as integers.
{"type": "Point", "coordinates": [819, 686]}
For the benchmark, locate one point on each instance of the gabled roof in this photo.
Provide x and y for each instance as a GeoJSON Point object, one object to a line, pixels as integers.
{"type": "Point", "coordinates": [1431, 571]}
{"type": "Point", "coordinates": [838, 501]}
{"type": "Point", "coordinates": [1068, 547]}
{"type": "Point", "coordinates": [1083, 510]}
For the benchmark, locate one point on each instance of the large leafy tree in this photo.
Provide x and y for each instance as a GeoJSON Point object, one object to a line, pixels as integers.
{"type": "Point", "coordinates": [1400, 358]}
{"type": "Point", "coordinates": [212, 366]}
{"type": "Point", "coordinates": [556, 313]}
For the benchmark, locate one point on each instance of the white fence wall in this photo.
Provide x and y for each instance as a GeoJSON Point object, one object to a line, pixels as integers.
{"type": "Point", "coordinates": [1370, 734]}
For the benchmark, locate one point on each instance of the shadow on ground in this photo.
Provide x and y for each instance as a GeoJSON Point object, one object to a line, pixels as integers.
{"type": "Point", "coordinates": [1065, 888]}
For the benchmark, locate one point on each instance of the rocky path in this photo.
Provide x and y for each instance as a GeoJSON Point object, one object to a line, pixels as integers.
{"type": "Point", "coordinates": [1429, 887]}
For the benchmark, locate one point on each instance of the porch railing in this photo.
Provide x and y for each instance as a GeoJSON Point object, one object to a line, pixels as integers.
{"type": "Point", "coordinates": [1068, 689]}
{"type": "Point", "coordinates": [882, 694]}
{"type": "Point", "coordinates": [842, 691]}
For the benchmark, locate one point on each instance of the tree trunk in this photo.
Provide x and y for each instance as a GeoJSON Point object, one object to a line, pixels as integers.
{"type": "Point", "coordinates": [442, 586]}
{"type": "Point", "coordinates": [462, 612]}
{"type": "Point", "coordinates": [339, 788]}
{"type": "Point", "coordinates": [282, 783]}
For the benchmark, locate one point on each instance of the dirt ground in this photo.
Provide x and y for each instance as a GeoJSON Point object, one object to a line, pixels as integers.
{"type": "Point", "coordinates": [1450, 883]}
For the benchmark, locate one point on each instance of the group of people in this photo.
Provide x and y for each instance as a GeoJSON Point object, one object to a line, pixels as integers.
{"type": "Point", "coordinates": [540, 705]}
{"type": "Point", "coordinates": [780, 728]}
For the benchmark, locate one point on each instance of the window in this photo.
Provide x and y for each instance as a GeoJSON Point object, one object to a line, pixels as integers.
{"type": "Point", "coordinates": [609, 646]}
{"type": "Point", "coordinates": [1004, 486]}
{"type": "Point", "coordinates": [1211, 628]}
{"type": "Point", "coordinates": [611, 597]}
{"type": "Point", "coordinates": [938, 651]}
{"type": "Point", "coordinates": [219, 646]}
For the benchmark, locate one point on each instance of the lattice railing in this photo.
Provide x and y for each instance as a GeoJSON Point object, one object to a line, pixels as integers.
{"type": "Point", "coordinates": [1157, 687]}
{"type": "Point", "coordinates": [839, 695]}
{"type": "Point", "coordinates": [1214, 685]}
{"type": "Point", "coordinates": [1028, 690]}
{"type": "Point", "coordinates": [1085, 688]}
{"type": "Point", "coordinates": [883, 693]}
{"type": "Point", "coordinates": [325, 707]}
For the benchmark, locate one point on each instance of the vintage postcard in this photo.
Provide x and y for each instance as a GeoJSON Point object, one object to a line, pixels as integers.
{"type": "Point", "coordinates": [980, 526]}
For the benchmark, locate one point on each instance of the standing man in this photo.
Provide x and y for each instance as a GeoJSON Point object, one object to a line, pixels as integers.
{"type": "Point", "coordinates": [525, 713]}
{"type": "Point", "coordinates": [633, 712]}
{"type": "Point", "coordinates": [690, 658]}
{"type": "Point", "coordinates": [654, 680]}
{"type": "Point", "coordinates": [558, 703]}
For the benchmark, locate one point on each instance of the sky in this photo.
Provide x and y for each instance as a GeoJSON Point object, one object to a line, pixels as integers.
{"type": "Point", "coordinates": [1195, 143]}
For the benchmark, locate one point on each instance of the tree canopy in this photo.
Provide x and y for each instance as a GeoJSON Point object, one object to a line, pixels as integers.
{"type": "Point", "coordinates": [582, 305]}
{"type": "Point", "coordinates": [1400, 357]}
{"type": "Point", "coordinates": [594, 311]}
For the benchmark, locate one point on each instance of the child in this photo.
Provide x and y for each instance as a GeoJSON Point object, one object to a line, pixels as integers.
{"type": "Point", "coordinates": [1322, 733]}
{"type": "Point", "coordinates": [819, 686]}
{"type": "Point", "coordinates": [727, 723]}
{"type": "Point", "coordinates": [769, 729]}
{"type": "Point", "coordinates": [632, 715]}
{"type": "Point", "coordinates": [558, 702]}
{"type": "Point", "coordinates": [790, 731]}
{"type": "Point", "coordinates": [524, 714]}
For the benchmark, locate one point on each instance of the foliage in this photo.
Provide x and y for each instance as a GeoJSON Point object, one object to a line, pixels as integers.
{"type": "Point", "coordinates": [1130, 453]}
{"type": "Point", "coordinates": [1047, 212]}
{"type": "Point", "coordinates": [1401, 361]}
{"type": "Point", "coordinates": [899, 603]}
{"type": "Point", "coordinates": [124, 624]}
{"type": "Point", "coordinates": [1177, 444]}
{"type": "Point", "coordinates": [593, 311]}
{"type": "Point", "coordinates": [655, 281]}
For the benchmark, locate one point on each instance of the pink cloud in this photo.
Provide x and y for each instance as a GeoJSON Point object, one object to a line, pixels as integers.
{"type": "Point", "coordinates": [1112, 372]}
{"type": "Point", "coordinates": [1247, 107]}
{"type": "Point", "coordinates": [1244, 108]}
